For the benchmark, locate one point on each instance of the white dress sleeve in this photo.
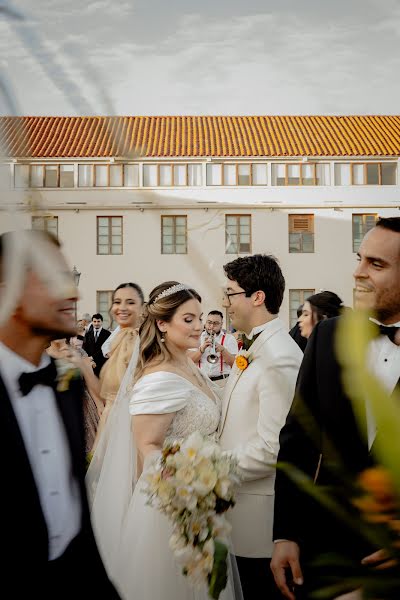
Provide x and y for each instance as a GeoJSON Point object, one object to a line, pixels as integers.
{"type": "Point", "coordinates": [159, 393]}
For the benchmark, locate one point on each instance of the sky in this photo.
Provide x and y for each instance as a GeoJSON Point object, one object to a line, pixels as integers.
{"type": "Point", "coordinates": [171, 57]}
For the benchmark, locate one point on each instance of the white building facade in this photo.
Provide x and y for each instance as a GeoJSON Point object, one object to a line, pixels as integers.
{"type": "Point", "coordinates": [178, 200]}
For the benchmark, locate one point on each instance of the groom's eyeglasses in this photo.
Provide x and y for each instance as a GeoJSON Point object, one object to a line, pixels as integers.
{"type": "Point", "coordinates": [227, 295]}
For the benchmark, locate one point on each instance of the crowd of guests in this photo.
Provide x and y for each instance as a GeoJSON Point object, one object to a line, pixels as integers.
{"type": "Point", "coordinates": [215, 356]}
{"type": "Point", "coordinates": [164, 341]}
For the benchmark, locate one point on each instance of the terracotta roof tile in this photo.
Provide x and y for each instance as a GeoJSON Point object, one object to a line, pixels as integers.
{"type": "Point", "coordinates": [190, 136]}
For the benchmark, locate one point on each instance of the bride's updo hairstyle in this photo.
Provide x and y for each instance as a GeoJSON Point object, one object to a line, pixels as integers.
{"type": "Point", "coordinates": [163, 303]}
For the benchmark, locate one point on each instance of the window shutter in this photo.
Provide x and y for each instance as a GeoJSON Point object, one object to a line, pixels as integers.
{"type": "Point", "coordinates": [301, 223]}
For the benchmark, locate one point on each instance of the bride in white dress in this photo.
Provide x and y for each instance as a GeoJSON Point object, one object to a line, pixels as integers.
{"type": "Point", "coordinates": [170, 399]}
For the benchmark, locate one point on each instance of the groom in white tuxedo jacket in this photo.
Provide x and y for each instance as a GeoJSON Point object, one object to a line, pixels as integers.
{"type": "Point", "coordinates": [255, 405]}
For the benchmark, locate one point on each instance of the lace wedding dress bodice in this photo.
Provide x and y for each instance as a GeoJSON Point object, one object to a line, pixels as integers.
{"type": "Point", "coordinates": [163, 392]}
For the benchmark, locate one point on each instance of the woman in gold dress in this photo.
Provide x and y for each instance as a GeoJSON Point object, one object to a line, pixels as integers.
{"type": "Point", "coordinates": [126, 310]}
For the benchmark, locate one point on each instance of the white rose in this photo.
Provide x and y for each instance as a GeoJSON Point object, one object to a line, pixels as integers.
{"type": "Point", "coordinates": [185, 473]}
{"type": "Point", "coordinates": [185, 497]}
{"type": "Point", "coordinates": [223, 488]}
{"type": "Point", "coordinates": [206, 480]}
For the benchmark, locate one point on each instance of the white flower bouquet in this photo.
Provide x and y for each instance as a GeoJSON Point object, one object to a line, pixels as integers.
{"type": "Point", "coordinates": [194, 483]}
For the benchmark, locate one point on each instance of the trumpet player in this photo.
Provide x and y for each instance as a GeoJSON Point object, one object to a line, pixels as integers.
{"type": "Point", "coordinates": [217, 349]}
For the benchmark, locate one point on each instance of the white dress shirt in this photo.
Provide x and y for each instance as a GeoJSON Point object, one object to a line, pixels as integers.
{"type": "Point", "coordinates": [47, 446]}
{"type": "Point", "coordinates": [214, 370]}
{"type": "Point", "coordinates": [96, 333]}
{"type": "Point", "coordinates": [258, 329]}
{"type": "Point", "coordinates": [384, 362]}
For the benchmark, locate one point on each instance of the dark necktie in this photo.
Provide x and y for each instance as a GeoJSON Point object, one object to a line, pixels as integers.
{"type": "Point", "coordinates": [45, 376]}
{"type": "Point", "coordinates": [389, 331]}
{"type": "Point", "coordinates": [247, 343]}
{"type": "Point", "coordinates": [96, 333]}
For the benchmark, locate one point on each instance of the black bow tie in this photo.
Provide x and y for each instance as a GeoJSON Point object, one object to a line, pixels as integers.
{"type": "Point", "coordinates": [390, 331]}
{"type": "Point", "coordinates": [45, 376]}
{"type": "Point", "coordinates": [247, 343]}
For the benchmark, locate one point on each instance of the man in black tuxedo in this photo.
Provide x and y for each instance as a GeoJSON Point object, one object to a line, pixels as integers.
{"type": "Point", "coordinates": [49, 550]}
{"type": "Point", "coordinates": [321, 429]}
{"type": "Point", "coordinates": [94, 339]}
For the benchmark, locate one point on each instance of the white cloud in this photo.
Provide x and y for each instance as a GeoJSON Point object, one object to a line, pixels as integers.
{"type": "Point", "coordinates": [268, 63]}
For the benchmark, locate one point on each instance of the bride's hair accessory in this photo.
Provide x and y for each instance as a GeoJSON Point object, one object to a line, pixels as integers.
{"type": "Point", "coordinates": [171, 290]}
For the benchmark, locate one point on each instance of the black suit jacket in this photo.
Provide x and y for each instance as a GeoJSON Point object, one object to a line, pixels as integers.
{"type": "Point", "coordinates": [24, 535]}
{"type": "Point", "coordinates": [320, 424]}
{"type": "Point", "coordinates": [93, 348]}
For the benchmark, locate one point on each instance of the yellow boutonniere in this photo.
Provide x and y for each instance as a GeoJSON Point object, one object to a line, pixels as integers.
{"type": "Point", "coordinates": [243, 359]}
{"type": "Point", "coordinates": [66, 372]}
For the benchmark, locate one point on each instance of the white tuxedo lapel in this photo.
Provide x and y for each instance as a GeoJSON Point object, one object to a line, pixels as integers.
{"type": "Point", "coordinates": [229, 387]}
{"type": "Point", "coordinates": [234, 377]}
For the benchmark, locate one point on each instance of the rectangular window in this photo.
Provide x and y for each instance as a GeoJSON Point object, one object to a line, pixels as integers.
{"type": "Point", "coordinates": [51, 176]}
{"type": "Point", "coordinates": [103, 305]}
{"type": "Point", "coordinates": [150, 175]}
{"type": "Point", "coordinates": [301, 233]}
{"type": "Point", "coordinates": [296, 299]}
{"type": "Point", "coordinates": [21, 176]}
{"type": "Point", "coordinates": [85, 175]}
{"type": "Point", "coordinates": [67, 176]}
{"type": "Point", "coordinates": [259, 174]}
{"type": "Point", "coordinates": [308, 174]}
{"type": "Point", "coordinates": [37, 176]}
{"type": "Point", "coordinates": [278, 174]}
{"type": "Point", "coordinates": [293, 174]}
{"type": "Point", "coordinates": [180, 174]}
{"type": "Point", "coordinates": [342, 174]}
{"type": "Point", "coordinates": [361, 225]}
{"type": "Point", "coordinates": [237, 234]}
{"type": "Point", "coordinates": [358, 174]}
{"type": "Point", "coordinates": [101, 175]}
{"type": "Point", "coordinates": [230, 175]}
{"type": "Point", "coordinates": [244, 175]}
{"type": "Point", "coordinates": [115, 175]}
{"type": "Point", "coordinates": [165, 175]}
{"type": "Point", "coordinates": [388, 173]}
{"type": "Point", "coordinates": [49, 224]}
{"type": "Point", "coordinates": [322, 174]}
{"type": "Point", "coordinates": [300, 174]}
{"type": "Point", "coordinates": [372, 174]}
{"type": "Point", "coordinates": [173, 234]}
{"type": "Point", "coordinates": [365, 173]}
{"type": "Point", "coordinates": [234, 174]}
{"type": "Point", "coordinates": [194, 175]}
{"type": "Point", "coordinates": [214, 174]}
{"type": "Point", "coordinates": [109, 235]}
{"type": "Point", "coordinates": [131, 175]}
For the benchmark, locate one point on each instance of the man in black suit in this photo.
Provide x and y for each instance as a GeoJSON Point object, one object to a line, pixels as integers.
{"type": "Point", "coordinates": [302, 529]}
{"type": "Point", "coordinates": [94, 339]}
{"type": "Point", "coordinates": [49, 550]}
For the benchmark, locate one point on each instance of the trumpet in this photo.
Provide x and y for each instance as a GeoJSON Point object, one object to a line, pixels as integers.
{"type": "Point", "coordinates": [212, 357]}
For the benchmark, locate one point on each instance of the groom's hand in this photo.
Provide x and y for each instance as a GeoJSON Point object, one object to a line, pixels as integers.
{"type": "Point", "coordinates": [286, 557]}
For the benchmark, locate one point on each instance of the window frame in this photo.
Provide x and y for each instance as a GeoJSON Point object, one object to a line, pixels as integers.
{"type": "Point", "coordinates": [364, 165]}
{"type": "Point", "coordinates": [109, 318]}
{"type": "Point", "coordinates": [301, 177]}
{"type": "Point", "coordinates": [304, 297]}
{"type": "Point", "coordinates": [311, 219]}
{"type": "Point", "coordinates": [228, 242]}
{"type": "Point", "coordinates": [109, 217]}
{"type": "Point", "coordinates": [355, 249]}
{"type": "Point", "coordinates": [249, 164]}
{"type": "Point", "coordinates": [174, 217]}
